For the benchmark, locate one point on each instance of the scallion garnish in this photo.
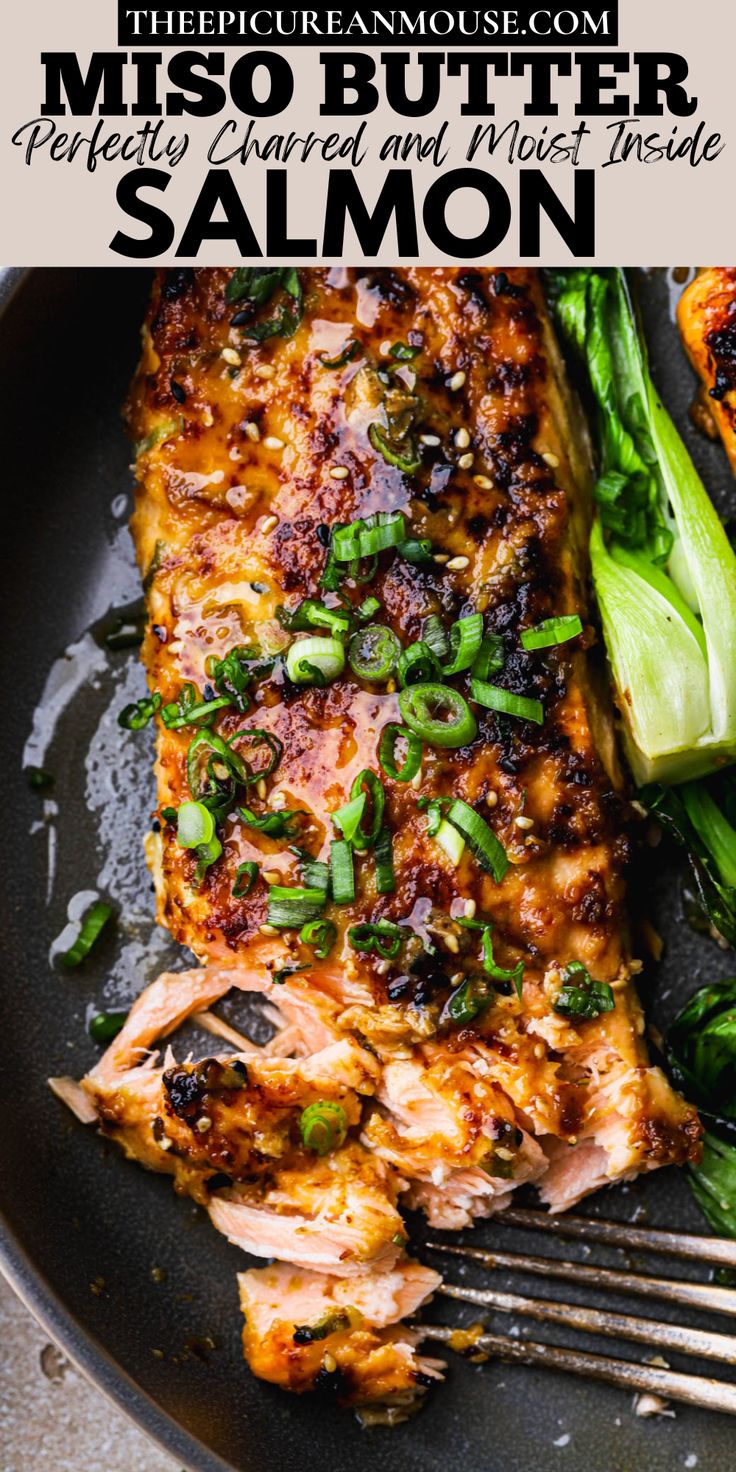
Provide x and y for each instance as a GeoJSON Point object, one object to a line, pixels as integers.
{"type": "Point", "coordinates": [373, 653]}
{"type": "Point", "coordinates": [367, 609]}
{"type": "Point", "coordinates": [351, 350]}
{"type": "Point", "coordinates": [481, 839]}
{"type": "Point", "coordinates": [105, 1026]}
{"type": "Point", "coordinates": [552, 631]}
{"type": "Point", "coordinates": [390, 738]}
{"type": "Point", "coordinates": [315, 873]}
{"type": "Point", "coordinates": [92, 924]}
{"type": "Point", "coordinates": [214, 772]}
{"type": "Point", "coordinates": [278, 823]}
{"type": "Point", "coordinates": [312, 614]}
{"type": "Point", "coordinates": [403, 454]}
{"type": "Point", "coordinates": [195, 824]}
{"type": "Point", "coordinates": [320, 935]}
{"type": "Point", "coordinates": [368, 536]}
{"type": "Point", "coordinates": [471, 998]}
{"type": "Point", "coordinates": [370, 787]}
{"type": "Point", "coordinates": [259, 740]}
{"type": "Point", "coordinates": [323, 1126]}
{"type": "Point", "coordinates": [493, 697]}
{"type": "Point", "coordinates": [438, 714]}
{"type": "Point", "coordinates": [417, 550]}
{"type": "Point", "coordinates": [347, 818]}
{"type": "Point", "coordinates": [466, 638]}
{"type": "Point", "coordinates": [245, 878]}
{"type": "Point", "coordinates": [234, 673]}
{"type": "Point", "coordinates": [435, 635]}
{"type": "Point", "coordinates": [189, 710]}
{"type": "Point", "coordinates": [514, 974]}
{"type": "Point", "coordinates": [38, 779]}
{"type": "Point", "coordinates": [384, 857]}
{"type": "Point", "coordinates": [135, 716]}
{"type": "Point", "coordinates": [417, 665]}
{"type": "Point", "coordinates": [450, 841]}
{"type": "Point", "coordinates": [342, 873]}
{"type": "Point", "coordinates": [583, 998]}
{"type": "Point", "coordinates": [383, 939]}
{"type": "Point", "coordinates": [257, 285]}
{"type": "Point", "coordinates": [433, 807]}
{"type": "Point", "coordinates": [490, 658]}
{"type": "Point", "coordinates": [315, 661]}
{"type": "Point", "coordinates": [403, 352]}
{"type": "Point", "coordinates": [292, 907]}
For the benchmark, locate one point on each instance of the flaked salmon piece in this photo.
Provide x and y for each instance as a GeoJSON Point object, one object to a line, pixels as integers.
{"type": "Point", "coordinates": [706, 313]}
{"type": "Point", "coordinates": [308, 1330]}
{"type": "Point", "coordinates": [335, 1215]}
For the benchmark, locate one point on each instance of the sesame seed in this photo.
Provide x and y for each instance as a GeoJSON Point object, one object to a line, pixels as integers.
{"type": "Point", "coordinates": [456, 978]}
{"type": "Point", "coordinates": [503, 1153]}
{"type": "Point", "coordinates": [465, 462]}
{"type": "Point", "coordinates": [232, 357]}
{"type": "Point", "coordinates": [491, 798]}
{"type": "Point", "coordinates": [431, 440]}
{"type": "Point", "coordinates": [470, 909]}
{"type": "Point", "coordinates": [271, 876]}
{"type": "Point", "coordinates": [164, 1143]}
{"type": "Point", "coordinates": [483, 482]}
{"type": "Point", "coordinates": [452, 944]}
{"type": "Point", "coordinates": [441, 557]}
{"type": "Point", "coordinates": [278, 800]}
{"type": "Point", "coordinates": [539, 1050]}
{"type": "Point", "coordinates": [272, 443]}
{"type": "Point", "coordinates": [462, 439]}
{"type": "Point", "coordinates": [524, 823]}
{"type": "Point", "coordinates": [204, 1123]}
{"type": "Point", "coordinates": [329, 1363]}
{"type": "Point", "coordinates": [265, 371]}
{"type": "Point", "coordinates": [457, 381]}
{"type": "Point", "coordinates": [382, 968]}
{"type": "Point", "coordinates": [416, 780]}
{"type": "Point", "coordinates": [530, 841]}
{"type": "Point", "coordinates": [385, 349]}
{"type": "Point", "coordinates": [208, 419]}
{"type": "Point", "coordinates": [456, 564]}
{"type": "Point", "coordinates": [261, 788]}
{"type": "Point", "coordinates": [268, 524]}
{"type": "Point", "coordinates": [339, 472]}
{"type": "Point", "coordinates": [550, 459]}
{"type": "Point", "coordinates": [268, 930]}
{"type": "Point", "coordinates": [253, 432]}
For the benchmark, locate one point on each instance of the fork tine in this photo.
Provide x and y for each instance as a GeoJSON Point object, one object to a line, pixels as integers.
{"type": "Point", "coordinates": [703, 1342]}
{"type": "Point", "coordinates": [708, 1296]}
{"type": "Point", "coordinates": [720, 1250]}
{"type": "Point", "coordinates": [694, 1390]}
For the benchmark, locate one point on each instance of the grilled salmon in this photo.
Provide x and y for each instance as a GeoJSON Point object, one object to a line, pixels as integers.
{"type": "Point", "coordinates": [381, 809]}
{"type": "Point", "coordinates": [706, 314]}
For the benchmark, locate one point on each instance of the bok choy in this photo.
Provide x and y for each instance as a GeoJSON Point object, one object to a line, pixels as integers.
{"type": "Point", "coordinates": [702, 1053]}
{"type": "Point", "coordinates": [663, 568]}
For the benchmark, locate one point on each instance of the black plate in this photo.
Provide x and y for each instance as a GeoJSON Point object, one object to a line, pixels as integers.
{"type": "Point", "coordinates": [84, 1228]}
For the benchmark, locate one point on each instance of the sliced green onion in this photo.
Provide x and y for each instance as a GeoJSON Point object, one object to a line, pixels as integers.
{"type": "Point", "coordinates": [362, 838]}
{"type": "Point", "coordinates": [342, 873]}
{"type": "Point", "coordinates": [137, 715]}
{"type": "Point", "coordinates": [383, 939]}
{"type": "Point", "coordinates": [323, 1126]}
{"type": "Point", "coordinates": [466, 637]}
{"type": "Point", "coordinates": [233, 674]}
{"type": "Point", "coordinates": [315, 661]}
{"type": "Point", "coordinates": [94, 921]}
{"type": "Point", "coordinates": [450, 841]}
{"type": "Point", "coordinates": [332, 574]}
{"type": "Point", "coordinates": [189, 710]}
{"type": "Point", "coordinates": [293, 907]}
{"type": "Point", "coordinates": [257, 737]}
{"type": "Point", "coordinates": [347, 818]}
{"type": "Point", "coordinates": [434, 808]}
{"type": "Point", "coordinates": [373, 653]}
{"type": "Point", "coordinates": [552, 631]}
{"type": "Point", "coordinates": [417, 665]}
{"type": "Point", "coordinates": [195, 825]}
{"type": "Point", "coordinates": [403, 352]}
{"type": "Point", "coordinates": [351, 350]}
{"type": "Point", "coordinates": [320, 935]}
{"type": "Point", "coordinates": [367, 609]}
{"type": "Point", "coordinates": [481, 839]}
{"type": "Point", "coordinates": [105, 1026]}
{"type": "Point", "coordinates": [501, 973]}
{"type": "Point", "coordinates": [367, 537]}
{"type": "Point", "coordinates": [404, 456]}
{"type": "Point", "coordinates": [495, 698]}
{"type": "Point", "coordinates": [439, 714]}
{"type": "Point", "coordinates": [584, 999]}
{"type": "Point", "coordinates": [383, 855]}
{"type": "Point", "coordinates": [38, 779]}
{"type": "Point", "coordinates": [470, 999]}
{"type": "Point", "coordinates": [314, 615]}
{"type": "Point", "coordinates": [390, 737]}
{"type": "Point", "coordinates": [207, 855]}
{"type": "Point", "coordinates": [315, 873]}
{"type": "Point", "coordinates": [490, 658]}
{"type": "Point", "coordinates": [245, 878]}
{"type": "Point", "coordinates": [278, 823]}
{"type": "Point", "coordinates": [434, 634]}
{"type": "Point", "coordinates": [417, 550]}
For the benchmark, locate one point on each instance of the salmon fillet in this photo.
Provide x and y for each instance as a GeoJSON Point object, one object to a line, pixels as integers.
{"type": "Point", "coordinates": [706, 314]}
{"type": "Point", "coordinates": [437, 393]}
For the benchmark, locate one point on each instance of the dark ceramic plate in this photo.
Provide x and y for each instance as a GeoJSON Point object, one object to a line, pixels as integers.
{"type": "Point", "coordinates": [84, 1229]}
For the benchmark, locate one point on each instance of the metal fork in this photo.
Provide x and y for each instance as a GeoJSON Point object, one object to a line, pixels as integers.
{"type": "Point", "coordinates": [652, 1379]}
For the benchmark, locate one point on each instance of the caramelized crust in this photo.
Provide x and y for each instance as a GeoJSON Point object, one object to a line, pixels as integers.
{"type": "Point", "coordinates": [707, 316]}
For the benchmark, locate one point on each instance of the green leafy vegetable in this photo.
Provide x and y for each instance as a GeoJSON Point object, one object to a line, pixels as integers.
{"type": "Point", "coordinates": [697, 815]}
{"type": "Point", "coordinates": [582, 998]}
{"type": "Point", "coordinates": [663, 568]}
{"type": "Point", "coordinates": [701, 1049]}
